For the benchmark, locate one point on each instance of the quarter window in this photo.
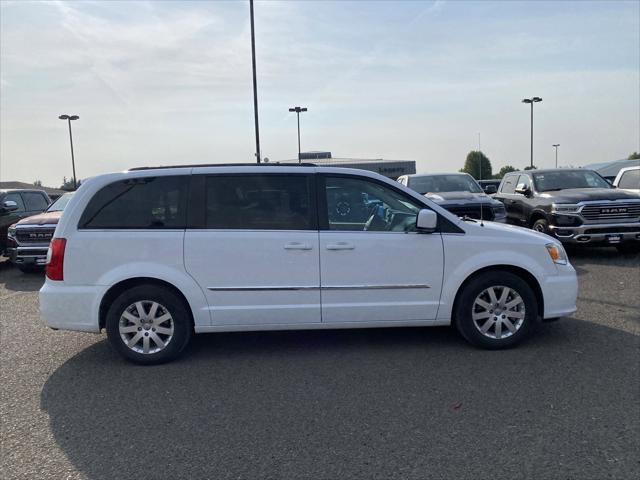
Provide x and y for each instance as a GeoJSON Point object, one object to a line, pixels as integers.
{"type": "Point", "coordinates": [259, 202]}
{"type": "Point", "coordinates": [355, 204]}
{"type": "Point", "coordinates": [140, 203]}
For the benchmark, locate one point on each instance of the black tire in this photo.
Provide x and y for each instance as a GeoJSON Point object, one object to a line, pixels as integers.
{"type": "Point", "coordinates": [169, 302]}
{"type": "Point", "coordinates": [629, 247]}
{"type": "Point", "coordinates": [541, 225]}
{"type": "Point", "coordinates": [465, 307]}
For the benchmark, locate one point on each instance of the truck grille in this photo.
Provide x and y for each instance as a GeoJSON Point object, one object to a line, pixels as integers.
{"type": "Point", "coordinates": [611, 211]}
{"type": "Point", "coordinates": [34, 235]}
{"type": "Point", "coordinates": [471, 211]}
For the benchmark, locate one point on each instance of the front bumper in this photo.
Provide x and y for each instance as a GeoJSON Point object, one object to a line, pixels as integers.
{"type": "Point", "coordinates": [597, 233]}
{"type": "Point", "coordinates": [35, 255]}
{"type": "Point", "coordinates": [560, 292]}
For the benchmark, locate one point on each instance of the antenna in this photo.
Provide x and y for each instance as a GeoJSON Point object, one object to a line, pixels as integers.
{"type": "Point", "coordinates": [480, 175]}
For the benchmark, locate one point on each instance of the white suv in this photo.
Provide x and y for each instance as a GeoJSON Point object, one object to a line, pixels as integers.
{"type": "Point", "coordinates": [153, 255]}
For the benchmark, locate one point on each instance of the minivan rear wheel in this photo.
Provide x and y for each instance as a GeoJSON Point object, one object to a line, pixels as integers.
{"type": "Point", "coordinates": [148, 324]}
{"type": "Point", "coordinates": [496, 310]}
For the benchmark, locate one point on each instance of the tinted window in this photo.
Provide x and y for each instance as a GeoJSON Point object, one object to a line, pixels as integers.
{"type": "Point", "coordinates": [34, 202]}
{"type": "Point", "coordinates": [156, 203]}
{"type": "Point", "coordinates": [15, 197]}
{"type": "Point", "coordinates": [549, 181]}
{"type": "Point", "coordinates": [509, 184]}
{"type": "Point", "coordinates": [630, 179]}
{"type": "Point", "coordinates": [259, 202]}
{"type": "Point", "coordinates": [360, 205]}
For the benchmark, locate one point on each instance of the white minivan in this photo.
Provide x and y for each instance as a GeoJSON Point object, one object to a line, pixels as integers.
{"type": "Point", "coordinates": [153, 255]}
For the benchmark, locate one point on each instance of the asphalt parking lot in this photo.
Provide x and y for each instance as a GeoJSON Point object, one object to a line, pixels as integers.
{"type": "Point", "coordinates": [388, 403]}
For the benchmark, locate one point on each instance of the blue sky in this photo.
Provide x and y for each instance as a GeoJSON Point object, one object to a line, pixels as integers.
{"type": "Point", "coordinates": [170, 82]}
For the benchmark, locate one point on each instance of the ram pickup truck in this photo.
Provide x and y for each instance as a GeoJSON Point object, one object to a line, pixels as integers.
{"type": "Point", "coordinates": [457, 192]}
{"type": "Point", "coordinates": [574, 205]}
{"type": "Point", "coordinates": [16, 204]}
{"type": "Point", "coordinates": [28, 240]}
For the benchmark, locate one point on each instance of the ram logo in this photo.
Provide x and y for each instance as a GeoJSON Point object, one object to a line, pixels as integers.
{"type": "Point", "coordinates": [613, 210]}
{"type": "Point", "coordinates": [35, 236]}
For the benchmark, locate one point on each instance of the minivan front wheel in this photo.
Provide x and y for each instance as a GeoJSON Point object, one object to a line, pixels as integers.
{"type": "Point", "coordinates": [148, 324]}
{"type": "Point", "coordinates": [496, 310]}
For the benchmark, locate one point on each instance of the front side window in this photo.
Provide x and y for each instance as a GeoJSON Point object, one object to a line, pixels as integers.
{"type": "Point", "coordinates": [630, 179]}
{"type": "Point", "coordinates": [356, 204]}
{"type": "Point", "coordinates": [558, 180]}
{"type": "Point", "coordinates": [259, 202]}
{"type": "Point", "coordinates": [524, 182]}
{"type": "Point", "coordinates": [35, 202]}
{"type": "Point", "coordinates": [140, 203]}
{"type": "Point", "coordinates": [15, 197]}
{"type": "Point", "coordinates": [509, 184]}
{"type": "Point", "coordinates": [60, 204]}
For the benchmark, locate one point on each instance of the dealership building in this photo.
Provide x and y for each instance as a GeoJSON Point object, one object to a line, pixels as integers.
{"type": "Point", "coordinates": [389, 168]}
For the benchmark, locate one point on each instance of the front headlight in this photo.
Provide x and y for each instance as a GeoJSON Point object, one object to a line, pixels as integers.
{"type": "Point", "coordinates": [564, 208]}
{"type": "Point", "coordinates": [557, 253]}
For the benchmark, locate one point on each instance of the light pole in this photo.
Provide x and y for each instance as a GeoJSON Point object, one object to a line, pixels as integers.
{"type": "Point", "coordinates": [298, 110]}
{"type": "Point", "coordinates": [68, 118]}
{"type": "Point", "coordinates": [255, 86]}
{"type": "Point", "coordinates": [532, 101]}
{"type": "Point", "coordinates": [556, 145]}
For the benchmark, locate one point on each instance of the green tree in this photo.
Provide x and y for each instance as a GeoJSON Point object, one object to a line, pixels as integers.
{"type": "Point", "coordinates": [475, 160]}
{"type": "Point", "coordinates": [68, 184]}
{"type": "Point", "coordinates": [634, 156]}
{"type": "Point", "coordinates": [531, 167]}
{"type": "Point", "coordinates": [504, 170]}
{"type": "Point", "coordinates": [37, 183]}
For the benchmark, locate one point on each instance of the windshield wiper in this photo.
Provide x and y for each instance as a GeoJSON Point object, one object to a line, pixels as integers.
{"type": "Point", "coordinates": [467, 218]}
{"type": "Point", "coordinates": [552, 189]}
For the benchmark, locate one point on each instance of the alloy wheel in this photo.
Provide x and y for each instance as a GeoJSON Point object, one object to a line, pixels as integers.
{"type": "Point", "coordinates": [498, 312]}
{"type": "Point", "coordinates": [146, 327]}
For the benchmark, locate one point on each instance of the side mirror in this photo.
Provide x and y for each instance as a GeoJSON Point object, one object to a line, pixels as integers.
{"type": "Point", "coordinates": [8, 206]}
{"type": "Point", "coordinates": [522, 189]}
{"type": "Point", "coordinates": [427, 221]}
{"type": "Point", "coordinates": [490, 189]}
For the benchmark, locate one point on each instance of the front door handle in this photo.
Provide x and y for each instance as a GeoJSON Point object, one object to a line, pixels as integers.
{"type": "Point", "coordinates": [297, 246]}
{"type": "Point", "coordinates": [340, 246]}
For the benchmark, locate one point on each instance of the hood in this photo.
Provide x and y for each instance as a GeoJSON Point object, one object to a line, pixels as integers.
{"type": "Point", "coordinates": [504, 230]}
{"type": "Point", "coordinates": [46, 218]}
{"type": "Point", "coordinates": [575, 195]}
{"type": "Point", "coordinates": [462, 198]}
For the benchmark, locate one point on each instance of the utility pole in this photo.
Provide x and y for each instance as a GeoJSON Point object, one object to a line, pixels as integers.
{"type": "Point", "coordinates": [255, 86]}
{"type": "Point", "coordinates": [556, 145]}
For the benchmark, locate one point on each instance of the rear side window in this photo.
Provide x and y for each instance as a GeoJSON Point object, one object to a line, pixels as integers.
{"type": "Point", "coordinates": [259, 202]}
{"type": "Point", "coordinates": [34, 201]}
{"type": "Point", "coordinates": [630, 179]}
{"type": "Point", "coordinates": [141, 203]}
{"type": "Point", "coordinates": [509, 184]}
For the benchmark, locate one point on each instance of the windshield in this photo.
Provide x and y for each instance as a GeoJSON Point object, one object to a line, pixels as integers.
{"type": "Point", "coordinates": [548, 181]}
{"type": "Point", "coordinates": [444, 183]}
{"type": "Point", "coordinates": [60, 203]}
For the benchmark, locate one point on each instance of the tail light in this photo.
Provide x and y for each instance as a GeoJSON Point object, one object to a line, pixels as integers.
{"type": "Point", "coordinates": [55, 259]}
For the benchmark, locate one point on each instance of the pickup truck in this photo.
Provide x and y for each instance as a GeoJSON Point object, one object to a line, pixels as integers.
{"type": "Point", "coordinates": [457, 192]}
{"type": "Point", "coordinates": [16, 204]}
{"type": "Point", "coordinates": [577, 206]}
{"type": "Point", "coordinates": [28, 240]}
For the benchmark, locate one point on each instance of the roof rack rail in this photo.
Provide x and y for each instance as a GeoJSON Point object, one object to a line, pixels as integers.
{"type": "Point", "coordinates": [268, 164]}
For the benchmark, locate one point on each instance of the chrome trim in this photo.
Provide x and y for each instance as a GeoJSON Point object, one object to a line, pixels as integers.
{"type": "Point", "coordinates": [328, 287]}
{"type": "Point", "coordinates": [374, 287]}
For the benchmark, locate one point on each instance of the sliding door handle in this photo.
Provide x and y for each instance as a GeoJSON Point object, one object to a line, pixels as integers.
{"type": "Point", "coordinates": [340, 246]}
{"type": "Point", "coordinates": [297, 246]}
